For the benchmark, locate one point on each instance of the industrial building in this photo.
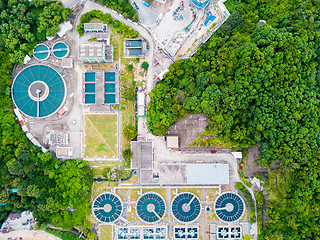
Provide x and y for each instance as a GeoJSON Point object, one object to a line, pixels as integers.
{"type": "Point", "coordinates": [141, 104]}
{"type": "Point", "coordinates": [194, 173]}
{"type": "Point", "coordinates": [95, 27]}
{"type": "Point", "coordinates": [97, 52]}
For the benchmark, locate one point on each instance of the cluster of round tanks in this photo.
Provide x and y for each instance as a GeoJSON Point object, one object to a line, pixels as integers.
{"type": "Point", "coordinates": [151, 207]}
{"type": "Point", "coordinates": [59, 50]}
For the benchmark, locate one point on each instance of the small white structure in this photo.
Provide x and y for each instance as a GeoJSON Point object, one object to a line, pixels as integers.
{"type": "Point", "coordinates": [67, 63]}
{"type": "Point", "coordinates": [237, 155]}
{"type": "Point", "coordinates": [64, 28]}
{"type": "Point", "coordinates": [63, 152]}
{"type": "Point", "coordinates": [172, 142]}
{"type": "Point", "coordinates": [26, 59]}
{"type": "Point", "coordinates": [141, 104]}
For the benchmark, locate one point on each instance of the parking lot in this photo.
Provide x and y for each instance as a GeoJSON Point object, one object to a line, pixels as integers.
{"type": "Point", "coordinates": [147, 15]}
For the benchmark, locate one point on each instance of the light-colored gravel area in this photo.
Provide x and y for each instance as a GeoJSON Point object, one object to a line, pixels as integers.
{"type": "Point", "coordinates": [28, 235]}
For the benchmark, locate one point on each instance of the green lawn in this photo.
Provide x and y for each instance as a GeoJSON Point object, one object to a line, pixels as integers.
{"type": "Point", "coordinates": [161, 191]}
{"type": "Point", "coordinates": [105, 232]}
{"type": "Point", "coordinates": [115, 45]}
{"type": "Point", "coordinates": [98, 171]}
{"type": "Point", "coordinates": [101, 135]}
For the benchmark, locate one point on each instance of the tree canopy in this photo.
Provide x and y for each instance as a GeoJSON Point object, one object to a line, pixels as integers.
{"type": "Point", "coordinates": [123, 7]}
{"type": "Point", "coordinates": [258, 82]}
{"type": "Point", "coordinates": [23, 24]}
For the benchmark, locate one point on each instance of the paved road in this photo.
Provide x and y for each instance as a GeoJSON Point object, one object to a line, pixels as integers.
{"type": "Point", "coordinates": [89, 6]}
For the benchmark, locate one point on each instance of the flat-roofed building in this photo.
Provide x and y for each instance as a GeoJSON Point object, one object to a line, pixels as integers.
{"type": "Point", "coordinates": [194, 173]}
{"type": "Point", "coordinates": [172, 142]}
{"type": "Point", "coordinates": [95, 52]}
{"type": "Point", "coordinates": [142, 161]}
{"type": "Point", "coordinates": [141, 104]}
{"type": "Point", "coordinates": [95, 27]}
{"type": "Point", "coordinates": [104, 36]}
{"type": "Point", "coordinates": [63, 152]}
{"type": "Point", "coordinates": [67, 62]}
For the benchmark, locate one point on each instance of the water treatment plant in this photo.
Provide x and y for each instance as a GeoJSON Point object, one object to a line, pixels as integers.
{"type": "Point", "coordinates": [78, 96]}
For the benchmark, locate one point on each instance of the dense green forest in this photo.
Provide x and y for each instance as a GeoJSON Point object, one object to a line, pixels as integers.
{"type": "Point", "coordinates": [258, 82]}
{"type": "Point", "coordinates": [23, 24]}
{"type": "Point", "coordinates": [56, 192]}
{"type": "Point", "coordinates": [123, 7]}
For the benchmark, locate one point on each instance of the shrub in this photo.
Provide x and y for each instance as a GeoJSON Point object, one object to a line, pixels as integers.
{"type": "Point", "coordinates": [246, 237]}
{"type": "Point", "coordinates": [252, 217]}
{"type": "Point", "coordinates": [246, 182]}
{"type": "Point", "coordinates": [130, 67]}
{"type": "Point", "coordinates": [129, 93]}
{"type": "Point", "coordinates": [130, 132]}
{"type": "Point", "coordinates": [127, 154]}
{"type": "Point", "coordinates": [145, 65]}
{"type": "Point", "coordinates": [136, 60]}
{"type": "Point", "coordinates": [112, 174]}
{"type": "Point", "coordinates": [246, 194]}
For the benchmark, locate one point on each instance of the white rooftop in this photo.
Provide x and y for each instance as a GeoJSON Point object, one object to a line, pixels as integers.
{"type": "Point", "coordinates": [172, 142]}
{"type": "Point", "coordinates": [207, 173]}
{"type": "Point", "coordinates": [237, 154]}
{"type": "Point", "coordinates": [141, 98]}
{"type": "Point", "coordinates": [64, 28]}
{"type": "Point", "coordinates": [194, 173]}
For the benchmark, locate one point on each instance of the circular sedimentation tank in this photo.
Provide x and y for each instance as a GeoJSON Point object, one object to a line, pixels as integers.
{"type": "Point", "coordinates": [229, 207]}
{"type": "Point", "coordinates": [41, 52]}
{"type": "Point", "coordinates": [38, 91]}
{"type": "Point", "coordinates": [60, 50]}
{"type": "Point", "coordinates": [107, 207]}
{"type": "Point", "coordinates": [186, 207]}
{"type": "Point", "coordinates": [151, 207]}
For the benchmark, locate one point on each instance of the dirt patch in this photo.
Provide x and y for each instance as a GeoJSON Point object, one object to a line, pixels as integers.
{"type": "Point", "coordinates": [189, 128]}
{"type": "Point", "coordinates": [29, 235]}
{"type": "Point", "coordinates": [252, 165]}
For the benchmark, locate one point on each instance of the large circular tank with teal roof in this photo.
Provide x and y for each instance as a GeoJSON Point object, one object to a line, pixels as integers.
{"type": "Point", "coordinates": [38, 91]}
